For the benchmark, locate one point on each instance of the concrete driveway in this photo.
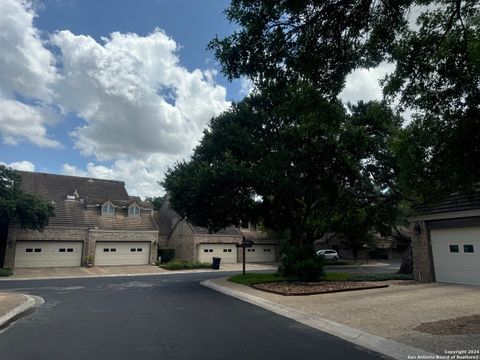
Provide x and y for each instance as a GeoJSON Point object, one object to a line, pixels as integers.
{"type": "Point", "coordinates": [119, 270]}
{"type": "Point", "coordinates": [392, 312]}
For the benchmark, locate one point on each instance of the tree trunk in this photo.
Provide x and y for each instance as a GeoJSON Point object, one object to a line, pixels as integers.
{"type": "Point", "coordinates": [407, 262]}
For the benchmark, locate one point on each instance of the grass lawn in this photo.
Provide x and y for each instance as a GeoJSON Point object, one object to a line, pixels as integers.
{"type": "Point", "coordinates": [254, 278]}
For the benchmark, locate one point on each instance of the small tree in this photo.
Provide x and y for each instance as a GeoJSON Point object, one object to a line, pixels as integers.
{"type": "Point", "coordinates": [28, 210]}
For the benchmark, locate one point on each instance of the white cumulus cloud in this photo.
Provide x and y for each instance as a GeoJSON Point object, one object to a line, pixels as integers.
{"type": "Point", "coordinates": [140, 176]}
{"type": "Point", "coordinates": [363, 84]}
{"type": "Point", "coordinates": [134, 95]}
{"type": "Point", "coordinates": [27, 68]}
{"type": "Point", "coordinates": [21, 165]}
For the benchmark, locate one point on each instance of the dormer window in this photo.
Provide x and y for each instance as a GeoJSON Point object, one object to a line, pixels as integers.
{"type": "Point", "coordinates": [108, 209]}
{"type": "Point", "coordinates": [134, 210]}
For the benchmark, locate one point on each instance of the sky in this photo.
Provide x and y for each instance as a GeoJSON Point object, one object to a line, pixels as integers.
{"type": "Point", "coordinates": [117, 89]}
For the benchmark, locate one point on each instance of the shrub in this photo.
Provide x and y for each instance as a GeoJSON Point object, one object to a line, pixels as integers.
{"type": "Point", "coordinates": [166, 254]}
{"type": "Point", "coordinates": [177, 264]}
{"type": "Point", "coordinates": [6, 271]}
{"type": "Point", "coordinates": [301, 263]}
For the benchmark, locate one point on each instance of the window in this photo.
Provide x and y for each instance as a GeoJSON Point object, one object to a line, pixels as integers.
{"type": "Point", "coordinates": [468, 248]}
{"type": "Point", "coordinates": [108, 209]}
{"type": "Point", "coordinates": [206, 250]}
{"type": "Point", "coordinates": [61, 250]}
{"type": "Point", "coordinates": [134, 210]}
{"type": "Point", "coordinates": [229, 250]}
{"type": "Point", "coordinates": [69, 250]}
{"type": "Point", "coordinates": [106, 250]}
{"type": "Point", "coordinates": [139, 249]}
{"type": "Point", "coordinates": [38, 250]}
{"type": "Point", "coordinates": [113, 250]}
{"type": "Point", "coordinates": [454, 249]}
{"type": "Point", "coordinates": [210, 250]}
{"type": "Point", "coordinates": [28, 250]}
{"type": "Point", "coordinates": [132, 250]}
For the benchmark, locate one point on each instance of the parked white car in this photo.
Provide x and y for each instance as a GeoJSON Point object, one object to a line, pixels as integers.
{"type": "Point", "coordinates": [328, 254]}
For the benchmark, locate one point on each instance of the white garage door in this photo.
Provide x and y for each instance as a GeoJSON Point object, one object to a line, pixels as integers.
{"type": "Point", "coordinates": [456, 255]}
{"type": "Point", "coordinates": [227, 252]}
{"type": "Point", "coordinates": [48, 253]}
{"type": "Point", "coordinates": [122, 253]}
{"type": "Point", "coordinates": [260, 253]}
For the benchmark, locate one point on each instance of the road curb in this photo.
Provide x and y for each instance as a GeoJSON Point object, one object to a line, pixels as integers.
{"type": "Point", "coordinates": [31, 302]}
{"type": "Point", "coordinates": [387, 347]}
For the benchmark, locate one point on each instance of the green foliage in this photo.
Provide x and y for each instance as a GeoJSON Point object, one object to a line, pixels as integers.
{"type": "Point", "coordinates": [302, 263]}
{"type": "Point", "coordinates": [28, 210]}
{"type": "Point", "coordinates": [335, 276]}
{"type": "Point", "coordinates": [294, 163]}
{"type": "Point", "coordinates": [157, 201]}
{"type": "Point", "coordinates": [435, 45]}
{"type": "Point", "coordinates": [166, 254]}
{"type": "Point", "coordinates": [256, 278]}
{"type": "Point", "coordinates": [6, 272]}
{"type": "Point", "coordinates": [177, 264]}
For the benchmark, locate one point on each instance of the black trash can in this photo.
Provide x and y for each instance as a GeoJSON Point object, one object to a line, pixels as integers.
{"type": "Point", "coordinates": [216, 263]}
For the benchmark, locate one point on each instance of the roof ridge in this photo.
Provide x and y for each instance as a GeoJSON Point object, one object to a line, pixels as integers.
{"type": "Point", "coordinates": [70, 176]}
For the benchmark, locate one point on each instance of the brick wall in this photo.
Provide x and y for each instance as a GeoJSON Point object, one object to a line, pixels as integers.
{"type": "Point", "coordinates": [422, 255]}
{"type": "Point", "coordinates": [49, 233]}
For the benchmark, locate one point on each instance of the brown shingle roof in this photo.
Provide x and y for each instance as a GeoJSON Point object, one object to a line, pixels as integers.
{"type": "Point", "coordinates": [74, 212]}
{"type": "Point", "coordinates": [454, 202]}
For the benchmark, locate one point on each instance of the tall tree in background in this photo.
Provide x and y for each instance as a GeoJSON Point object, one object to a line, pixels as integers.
{"type": "Point", "coordinates": [301, 165]}
{"type": "Point", "coordinates": [435, 45]}
{"type": "Point", "coordinates": [17, 206]}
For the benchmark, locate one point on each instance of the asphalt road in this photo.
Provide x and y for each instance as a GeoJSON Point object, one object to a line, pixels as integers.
{"type": "Point", "coordinates": [157, 317]}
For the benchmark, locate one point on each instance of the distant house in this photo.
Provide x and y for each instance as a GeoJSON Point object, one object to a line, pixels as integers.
{"type": "Point", "coordinates": [381, 247]}
{"type": "Point", "coordinates": [93, 217]}
{"type": "Point", "coordinates": [198, 244]}
{"type": "Point", "coordinates": [97, 218]}
{"type": "Point", "coordinates": [446, 241]}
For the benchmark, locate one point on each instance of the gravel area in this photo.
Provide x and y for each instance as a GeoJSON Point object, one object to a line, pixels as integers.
{"type": "Point", "coordinates": [458, 326]}
{"type": "Point", "coordinates": [288, 288]}
{"type": "Point", "coordinates": [393, 312]}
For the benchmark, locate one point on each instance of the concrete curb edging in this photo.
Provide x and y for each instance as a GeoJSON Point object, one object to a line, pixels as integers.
{"type": "Point", "coordinates": [31, 302]}
{"type": "Point", "coordinates": [361, 338]}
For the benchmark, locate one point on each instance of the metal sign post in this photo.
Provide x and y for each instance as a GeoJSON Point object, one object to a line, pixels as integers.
{"type": "Point", "coordinates": [245, 243]}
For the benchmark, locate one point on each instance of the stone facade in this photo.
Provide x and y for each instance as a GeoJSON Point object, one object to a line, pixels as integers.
{"type": "Point", "coordinates": [48, 234]}
{"type": "Point", "coordinates": [89, 237]}
{"type": "Point", "coordinates": [422, 252]}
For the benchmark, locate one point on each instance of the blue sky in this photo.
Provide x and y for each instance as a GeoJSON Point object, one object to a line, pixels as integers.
{"type": "Point", "coordinates": [116, 89]}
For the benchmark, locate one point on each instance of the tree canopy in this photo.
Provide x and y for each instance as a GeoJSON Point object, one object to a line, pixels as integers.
{"type": "Point", "coordinates": [299, 164]}
{"type": "Point", "coordinates": [15, 205]}
{"type": "Point", "coordinates": [435, 45]}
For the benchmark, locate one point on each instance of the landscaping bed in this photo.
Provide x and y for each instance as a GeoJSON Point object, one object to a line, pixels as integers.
{"type": "Point", "coordinates": [292, 288]}
{"type": "Point", "coordinates": [331, 282]}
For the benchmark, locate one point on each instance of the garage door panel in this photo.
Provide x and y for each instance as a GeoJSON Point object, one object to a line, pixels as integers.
{"type": "Point", "coordinates": [48, 253]}
{"type": "Point", "coordinates": [122, 253]}
{"type": "Point", "coordinates": [452, 259]}
{"type": "Point", "coordinates": [260, 253]}
{"type": "Point", "coordinates": [227, 252]}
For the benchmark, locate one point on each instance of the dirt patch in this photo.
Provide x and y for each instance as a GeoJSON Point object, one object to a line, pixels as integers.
{"type": "Point", "coordinates": [458, 326]}
{"type": "Point", "coordinates": [289, 288]}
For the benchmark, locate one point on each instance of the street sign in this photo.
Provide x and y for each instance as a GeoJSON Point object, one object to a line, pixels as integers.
{"type": "Point", "coordinates": [247, 243]}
